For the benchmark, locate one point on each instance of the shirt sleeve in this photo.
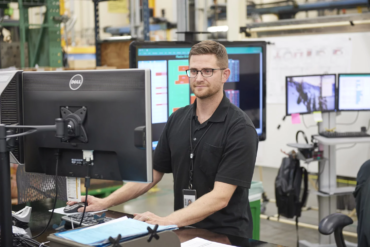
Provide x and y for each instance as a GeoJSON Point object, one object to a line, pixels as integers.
{"type": "Point", "coordinates": [162, 153]}
{"type": "Point", "coordinates": [239, 157]}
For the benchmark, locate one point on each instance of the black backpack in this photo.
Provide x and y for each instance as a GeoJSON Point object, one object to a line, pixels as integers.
{"type": "Point", "coordinates": [288, 185]}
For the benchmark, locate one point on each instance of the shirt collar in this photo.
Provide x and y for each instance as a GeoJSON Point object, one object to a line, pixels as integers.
{"type": "Point", "coordinates": [219, 115]}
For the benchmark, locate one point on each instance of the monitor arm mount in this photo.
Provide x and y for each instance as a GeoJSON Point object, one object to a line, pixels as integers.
{"type": "Point", "coordinates": [67, 128]}
{"type": "Point", "coordinates": [74, 120]}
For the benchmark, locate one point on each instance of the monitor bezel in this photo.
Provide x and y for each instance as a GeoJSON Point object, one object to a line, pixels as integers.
{"type": "Point", "coordinates": [304, 113]}
{"type": "Point", "coordinates": [17, 76]}
{"type": "Point", "coordinates": [134, 46]}
{"type": "Point", "coordinates": [338, 88]}
{"type": "Point", "coordinates": [148, 112]}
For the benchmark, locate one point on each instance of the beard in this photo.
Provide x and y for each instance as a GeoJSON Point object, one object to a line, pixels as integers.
{"type": "Point", "coordinates": [206, 92]}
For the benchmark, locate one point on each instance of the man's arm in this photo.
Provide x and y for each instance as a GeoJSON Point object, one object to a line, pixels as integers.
{"type": "Point", "coordinates": [131, 190]}
{"type": "Point", "coordinates": [127, 192]}
{"type": "Point", "coordinates": [203, 207]}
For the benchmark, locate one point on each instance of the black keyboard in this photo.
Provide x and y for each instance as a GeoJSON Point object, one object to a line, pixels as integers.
{"type": "Point", "coordinates": [344, 134]}
{"type": "Point", "coordinates": [89, 219]}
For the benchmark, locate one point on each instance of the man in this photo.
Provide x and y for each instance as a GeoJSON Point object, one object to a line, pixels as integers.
{"type": "Point", "coordinates": [210, 147]}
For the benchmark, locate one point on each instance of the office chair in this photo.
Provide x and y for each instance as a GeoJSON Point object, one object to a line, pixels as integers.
{"type": "Point", "coordinates": [335, 223]}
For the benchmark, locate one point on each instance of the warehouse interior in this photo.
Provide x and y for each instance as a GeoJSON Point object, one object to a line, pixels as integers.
{"type": "Point", "coordinates": [94, 85]}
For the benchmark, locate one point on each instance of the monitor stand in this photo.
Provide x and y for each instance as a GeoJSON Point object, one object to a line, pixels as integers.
{"type": "Point", "coordinates": [5, 192]}
{"type": "Point", "coordinates": [6, 142]}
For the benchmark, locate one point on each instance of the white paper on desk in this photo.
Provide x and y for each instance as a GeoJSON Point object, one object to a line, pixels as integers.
{"type": "Point", "coordinates": [61, 211]}
{"type": "Point", "coordinates": [200, 242]}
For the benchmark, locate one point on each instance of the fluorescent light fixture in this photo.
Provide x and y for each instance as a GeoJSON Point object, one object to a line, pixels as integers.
{"type": "Point", "coordinates": [215, 29]}
{"type": "Point", "coordinates": [319, 22]}
{"type": "Point", "coordinates": [307, 26]}
{"type": "Point", "coordinates": [126, 37]}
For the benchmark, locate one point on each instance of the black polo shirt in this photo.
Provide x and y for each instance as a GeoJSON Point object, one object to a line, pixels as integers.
{"type": "Point", "coordinates": [226, 153]}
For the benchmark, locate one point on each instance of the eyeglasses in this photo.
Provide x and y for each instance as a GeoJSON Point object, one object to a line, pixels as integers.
{"type": "Point", "coordinates": [204, 72]}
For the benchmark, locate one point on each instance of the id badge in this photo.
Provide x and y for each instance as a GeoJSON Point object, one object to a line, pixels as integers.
{"type": "Point", "coordinates": [189, 196]}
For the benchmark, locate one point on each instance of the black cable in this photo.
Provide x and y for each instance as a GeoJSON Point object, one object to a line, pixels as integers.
{"type": "Point", "coordinates": [21, 240]}
{"type": "Point", "coordinates": [87, 185]}
{"type": "Point", "coordinates": [304, 136]}
{"type": "Point", "coordinates": [83, 214]}
{"type": "Point", "coordinates": [278, 127]}
{"type": "Point", "coordinates": [25, 241]}
{"type": "Point", "coordinates": [56, 196]}
{"type": "Point", "coordinates": [358, 113]}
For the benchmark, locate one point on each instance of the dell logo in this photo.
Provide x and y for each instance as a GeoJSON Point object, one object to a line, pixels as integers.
{"type": "Point", "coordinates": [76, 82]}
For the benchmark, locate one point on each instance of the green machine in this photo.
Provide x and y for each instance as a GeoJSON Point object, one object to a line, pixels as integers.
{"type": "Point", "coordinates": [38, 43]}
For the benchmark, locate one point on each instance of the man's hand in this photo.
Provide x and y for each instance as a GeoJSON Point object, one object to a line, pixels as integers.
{"type": "Point", "coordinates": [93, 204]}
{"type": "Point", "coordinates": [153, 219]}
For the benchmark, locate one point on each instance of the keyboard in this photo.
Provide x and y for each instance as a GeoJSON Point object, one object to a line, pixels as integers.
{"type": "Point", "coordinates": [344, 134]}
{"type": "Point", "coordinates": [89, 219]}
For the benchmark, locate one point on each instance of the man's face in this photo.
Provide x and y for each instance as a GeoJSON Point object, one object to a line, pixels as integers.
{"type": "Point", "coordinates": [205, 87]}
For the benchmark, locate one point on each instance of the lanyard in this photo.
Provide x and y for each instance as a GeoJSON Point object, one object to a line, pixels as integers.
{"type": "Point", "coordinates": [192, 153]}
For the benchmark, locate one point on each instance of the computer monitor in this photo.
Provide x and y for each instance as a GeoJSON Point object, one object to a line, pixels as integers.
{"type": "Point", "coordinates": [306, 94]}
{"type": "Point", "coordinates": [246, 86]}
{"type": "Point", "coordinates": [11, 105]}
{"type": "Point", "coordinates": [116, 102]}
{"type": "Point", "coordinates": [353, 92]}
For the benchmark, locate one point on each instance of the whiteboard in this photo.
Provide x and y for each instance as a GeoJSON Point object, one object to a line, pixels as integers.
{"type": "Point", "coordinates": [306, 55]}
{"type": "Point", "coordinates": [354, 57]}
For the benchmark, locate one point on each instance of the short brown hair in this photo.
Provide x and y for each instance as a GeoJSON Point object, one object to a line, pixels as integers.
{"type": "Point", "coordinates": [211, 47]}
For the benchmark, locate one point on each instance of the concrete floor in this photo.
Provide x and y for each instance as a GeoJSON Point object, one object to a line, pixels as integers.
{"type": "Point", "coordinates": [160, 202]}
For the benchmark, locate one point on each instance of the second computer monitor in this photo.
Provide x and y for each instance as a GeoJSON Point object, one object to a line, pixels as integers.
{"type": "Point", "coordinates": [306, 94]}
{"type": "Point", "coordinates": [354, 92]}
{"type": "Point", "coordinates": [246, 86]}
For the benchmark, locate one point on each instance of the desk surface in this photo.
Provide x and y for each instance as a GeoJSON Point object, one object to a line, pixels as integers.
{"type": "Point", "coordinates": [40, 219]}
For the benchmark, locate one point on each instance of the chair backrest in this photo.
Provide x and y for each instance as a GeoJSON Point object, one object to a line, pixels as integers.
{"type": "Point", "coordinates": [335, 223]}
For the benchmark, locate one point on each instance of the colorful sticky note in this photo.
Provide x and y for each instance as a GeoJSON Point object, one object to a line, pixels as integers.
{"type": "Point", "coordinates": [118, 6]}
{"type": "Point", "coordinates": [296, 119]}
{"type": "Point", "coordinates": [317, 116]}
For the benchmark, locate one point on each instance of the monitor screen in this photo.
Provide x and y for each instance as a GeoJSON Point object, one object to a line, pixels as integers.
{"type": "Point", "coordinates": [116, 102]}
{"type": "Point", "coordinates": [306, 94]}
{"type": "Point", "coordinates": [170, 85]}
{"type": "Point", "coordinates": [353, 92]}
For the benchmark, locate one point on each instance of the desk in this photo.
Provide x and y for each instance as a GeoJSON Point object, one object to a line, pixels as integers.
{"type": "Point", "coordinates": [38, 222]}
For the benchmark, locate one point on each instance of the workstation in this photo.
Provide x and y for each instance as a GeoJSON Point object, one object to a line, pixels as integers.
{"type": "Point", "coordinates": [184, 123]}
